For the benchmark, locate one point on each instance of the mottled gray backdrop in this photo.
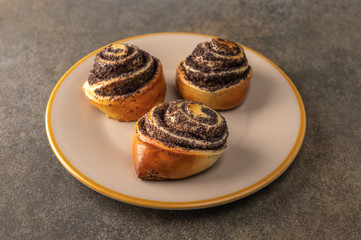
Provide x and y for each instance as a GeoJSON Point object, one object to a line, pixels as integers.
{"type": "Point", "coordinates": [318, 45]}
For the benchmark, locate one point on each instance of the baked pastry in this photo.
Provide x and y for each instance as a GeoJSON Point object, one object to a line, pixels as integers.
{"type": "Point", "coordinates": [178, 139]}
{"type": "Point", "coordinates": [217, 73]}
{"type": "Point", "coordinates": [125, 82]}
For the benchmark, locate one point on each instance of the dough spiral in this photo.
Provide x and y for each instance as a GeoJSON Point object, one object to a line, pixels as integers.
{"type": "Point", "coordinates": [120, 70]}
{"type": "Point", "coordinates": [125, 82]}
{"type": "Point", "coordinates": [216, 64]}
{"type": "Point", "coordinates": [185, 124]}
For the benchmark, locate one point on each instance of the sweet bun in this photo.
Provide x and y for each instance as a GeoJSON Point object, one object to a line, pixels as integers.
{"type": "Point", "coordinates": [125, 82]}
{"type": "Point", "coordinates": [217, 73]}
{"type": "Point", "coordinates": [178, 139]}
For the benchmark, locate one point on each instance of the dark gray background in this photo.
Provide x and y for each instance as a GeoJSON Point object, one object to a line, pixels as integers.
{"type": "Point", "coordinates": [318, 45]}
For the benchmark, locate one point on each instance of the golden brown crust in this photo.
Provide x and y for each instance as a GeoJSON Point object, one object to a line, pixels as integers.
{"type": "Point", "coordinates": [155, 161]}
{"type": "Point", "coordinates": [221, 99]}
{"type": "Point", "coordinates": [131, 108]}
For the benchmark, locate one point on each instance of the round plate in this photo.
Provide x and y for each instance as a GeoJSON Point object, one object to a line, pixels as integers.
{"type": "Point", "coordinates": [266, 133]}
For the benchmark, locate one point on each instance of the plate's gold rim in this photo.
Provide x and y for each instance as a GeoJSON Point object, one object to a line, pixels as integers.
{"type": "Point", "coordinates": [175, 205]}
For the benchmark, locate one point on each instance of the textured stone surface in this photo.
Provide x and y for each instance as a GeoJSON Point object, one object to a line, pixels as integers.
{"type": "Point", "coordinates": [317, 44]}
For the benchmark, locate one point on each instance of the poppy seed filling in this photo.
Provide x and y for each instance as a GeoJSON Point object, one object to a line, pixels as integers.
{"type": "Point", "coordinates": [176, 124]}
{"type": "Point", "coordinates": [216, 64]}
{"type": "Point", "coordinates": [122, 69]}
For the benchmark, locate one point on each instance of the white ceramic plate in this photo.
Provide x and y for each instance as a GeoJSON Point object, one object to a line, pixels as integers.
{"type": "Point", "coordinates": [266, 133]}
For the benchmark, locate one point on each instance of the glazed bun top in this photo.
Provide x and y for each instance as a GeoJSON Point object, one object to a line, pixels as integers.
{"type": "Point", "coordinates": [120, 70]}
{"type": "Point", "coordinates": [185, 124]}
{"type": "Point", "coordinates": [216, 64]}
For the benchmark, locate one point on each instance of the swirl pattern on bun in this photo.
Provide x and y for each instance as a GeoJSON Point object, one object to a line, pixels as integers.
{"type": "Point", "coordinates": [125, 82]}
{"type": "Point", "coordinates": [216, 73]}
{"type": "Point", "coordinates": [121, 69]}
{"type": "Point", "coordinates": [216, 64]}
{"type": "Point", "coordinates": [178, 139]}
{"type": "Point", "coordinates": [185, 124]}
